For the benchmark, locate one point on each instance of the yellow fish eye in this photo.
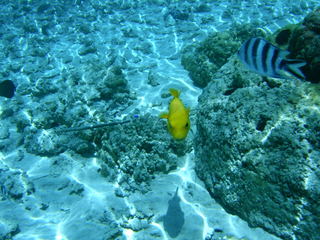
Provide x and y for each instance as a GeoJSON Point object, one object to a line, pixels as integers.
{"type": "Point", "coordinates": [187, 125]}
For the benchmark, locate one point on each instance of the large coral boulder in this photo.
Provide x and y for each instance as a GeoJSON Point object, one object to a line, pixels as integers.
{"type": "Point", "coordinates": [258, 150]}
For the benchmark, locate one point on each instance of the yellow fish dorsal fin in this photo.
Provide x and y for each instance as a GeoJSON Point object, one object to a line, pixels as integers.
{"type": "Point", "coordinates": [174, 92]}
{"type": "Point", "coordinates": [164, 115]}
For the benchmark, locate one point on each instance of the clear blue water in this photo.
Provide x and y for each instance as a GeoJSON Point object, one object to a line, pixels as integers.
{"type": "Point", "coordinates": [81, 63]}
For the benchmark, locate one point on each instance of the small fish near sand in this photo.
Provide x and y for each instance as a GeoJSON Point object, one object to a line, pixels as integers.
{"type": "Point", "coordinates": [7, 89]}
{"type": "Point", "coordinates": [178, 116]}
{"type": "Point", "coordinates": [261, 57]}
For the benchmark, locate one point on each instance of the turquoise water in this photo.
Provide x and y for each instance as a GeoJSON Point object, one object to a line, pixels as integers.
{"type": "Point", "coordinates": [83, 63]}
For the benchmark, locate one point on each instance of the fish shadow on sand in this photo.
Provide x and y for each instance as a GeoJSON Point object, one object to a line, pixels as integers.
{"type": "Point", "coordinates": [173, 220]}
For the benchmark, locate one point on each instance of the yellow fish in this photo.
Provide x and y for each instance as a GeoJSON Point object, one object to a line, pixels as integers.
{"type": "Point", "coordinates": [178, 116]}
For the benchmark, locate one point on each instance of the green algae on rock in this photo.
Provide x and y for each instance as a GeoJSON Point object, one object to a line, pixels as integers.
{"type": "Point", "coordinates": [304, 43]}
{"type": "Point", "coordinates": [203, 59]}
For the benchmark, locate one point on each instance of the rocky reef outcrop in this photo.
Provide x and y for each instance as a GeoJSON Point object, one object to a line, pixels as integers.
{"type": "Point", "coordinates": [139, 150]}
{"type": "Point", "coordinates": [258, 147]}
{"type": "Point", "coordinates": [258, 151]}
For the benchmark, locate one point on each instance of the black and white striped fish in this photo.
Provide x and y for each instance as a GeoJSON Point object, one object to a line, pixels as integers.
{"type": "Point", "coordinates": [262, 57]}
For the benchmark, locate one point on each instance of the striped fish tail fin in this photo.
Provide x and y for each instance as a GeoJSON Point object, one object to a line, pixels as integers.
{"type": "Point", "coordinates": [293, 67]}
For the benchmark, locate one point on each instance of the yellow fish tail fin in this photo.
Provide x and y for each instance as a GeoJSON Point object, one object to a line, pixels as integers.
{"type": "Point", "coordinates": [174, 92]}
{"type": "Point", "coordinates": [164, 115]}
